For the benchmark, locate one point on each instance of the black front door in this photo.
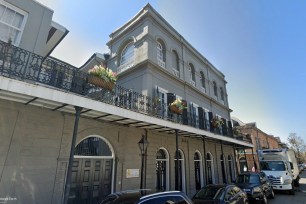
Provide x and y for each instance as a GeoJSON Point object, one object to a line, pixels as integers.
{"type": "Point", "coordinates": [209, 172]}
{"type": "Point", "coordinates": [161, 175]}
{"type": "Point", "coordinates": [197, 175]}
{"type": "Point", "coordinates": [91, 180]}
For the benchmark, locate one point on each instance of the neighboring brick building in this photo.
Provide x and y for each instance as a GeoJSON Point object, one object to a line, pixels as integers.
{"type": "Point", "coordinates": [260, 140]}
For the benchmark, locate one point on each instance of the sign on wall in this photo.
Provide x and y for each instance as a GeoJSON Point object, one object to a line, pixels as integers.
{"type": "Point", "coordinates": [132, 173]}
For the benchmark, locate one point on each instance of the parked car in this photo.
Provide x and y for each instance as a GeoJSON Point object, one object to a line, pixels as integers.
{"type": "Point", "coordinates": [146, 197]}
{"type": "Point", "coordinates": [219, 194]}
{"type": "Point", "coordinates": [126, 197]}
{"type": "Point", "coordinates": [256, 185]}
{"type": "Point", "coordinates": [167, 197]}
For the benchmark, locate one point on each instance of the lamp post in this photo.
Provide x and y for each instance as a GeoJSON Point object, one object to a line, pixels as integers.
{"type": "Point", "coordinates": [143, 145]}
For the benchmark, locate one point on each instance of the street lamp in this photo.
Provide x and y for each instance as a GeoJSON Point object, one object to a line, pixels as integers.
{"type": "Point", "coordinates": [143, 145]}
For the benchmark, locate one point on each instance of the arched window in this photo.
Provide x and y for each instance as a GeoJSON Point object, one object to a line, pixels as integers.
{"type": "Point", "coordinates": [210, 168]}
{"type": "Point", "coordinates": [180, 164]}
{"type": "Point", "coordinates": [175, 63]}
{"type": "Point", "coordinates": [192, 74]}
{"type": "Point", "coordinates": [127, 57]}
{"type": "Point", "coordinates": [198, 168]}
{"type": "Point", "coordinates": [231, 168]}
{"type": "Point", "coordinates": [223, 168]}
{"type": "Point", "coordinates": [93, 167]}
{"type": "Point", "coordinates": [203, 81]}
{"type": "Point", "coordinates": [162, 170]}
{"type": "Point", "coordinates": [222, 94]}
{"type": "Point", "coordinates": [215, 90]}
{"type": "Point", "coordinates": [92, 146]}
{"type": "Point", "coordinates": [161, 54]}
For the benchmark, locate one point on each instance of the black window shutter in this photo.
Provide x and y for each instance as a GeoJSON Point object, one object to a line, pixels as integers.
{"type": "Point", "coordinates": [224, 128]}
{"type": "Point", "coordinates": [210, 117]}
{"type": "Point", "coordinates": [191, 114]}
{"type": "Point", "coordinates": [184, 115]}
{"type": "Point", "coordinates": [201, 118]}
{"type": "Point", "coordinates": [170, 98]}
{"type": "Point", "coordinates": [230, 128]}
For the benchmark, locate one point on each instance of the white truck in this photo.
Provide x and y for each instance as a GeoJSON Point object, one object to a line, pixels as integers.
{"type": "Point", "coordinates": [281, 168]}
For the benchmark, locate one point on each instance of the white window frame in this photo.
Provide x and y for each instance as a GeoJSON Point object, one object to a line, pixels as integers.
{"type": "Point", "coordinates": [22, 26]}
{"type": "Point", "coordinates": [222, 98]}
{"type": "Point", "coordinates": [212, 167]}
{"type": "Point", "coordinates": [206, 118]}
{"type": "Point", "coordinates": [128, 60]}
{"type": "Point", "coordinates": [221, 128]}
{"type": "Point", "coordinates": [175, 63]}
{"type": "Point", "coordinates": [164, 92]}
{"type": "Point", "coordinates": [215, 90]}
{"type": "Point", "coordinates": [160, 55]}
{"type": "Point", "coordinates": [183, 169]}
{"type": "Point", "coordinates": [167, 167]}
{"type": "Point", "coordinates": [225, 166]}
{"type": "Point", "coordinates": [195, 106]}
{"type": "Point", "coordinates": [201, 169]}
{"type": "Point", "coordinates": [203, 86]}
{"type": "Point", "coordinates": [191, 74]}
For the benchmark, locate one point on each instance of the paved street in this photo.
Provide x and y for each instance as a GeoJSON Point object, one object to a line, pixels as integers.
{"type": "Point", "coordinates": [299, 197]}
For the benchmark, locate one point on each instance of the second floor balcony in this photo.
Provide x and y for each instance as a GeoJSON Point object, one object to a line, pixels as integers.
{"type": "Point", "coordinates": [19, 64]}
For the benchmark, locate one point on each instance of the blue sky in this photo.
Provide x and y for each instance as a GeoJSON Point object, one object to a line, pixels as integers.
{"type": "Point", "coordinates": [259, 45]}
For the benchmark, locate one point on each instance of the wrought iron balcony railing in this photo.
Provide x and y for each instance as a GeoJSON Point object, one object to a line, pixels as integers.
{"type": "Point", "coordinates": [19, 64]}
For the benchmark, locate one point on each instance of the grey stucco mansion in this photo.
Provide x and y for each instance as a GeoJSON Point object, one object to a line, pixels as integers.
{"type": "Point", "coordinates": [48, 106]}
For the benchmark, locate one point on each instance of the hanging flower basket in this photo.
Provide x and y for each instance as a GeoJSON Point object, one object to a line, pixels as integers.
{"type": "Point", "coordinates": [102, 77]}
{"type": "Point", "coordinates": [216, 123]}
{"type": "Point", "coordinates": [177, 106]}
{"type": "Point", "coordinates": [175, 109]}
{"type": "Point", "coordinates": [99, 82]}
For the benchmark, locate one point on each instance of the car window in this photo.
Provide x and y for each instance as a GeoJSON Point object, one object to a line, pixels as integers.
{"type": "Point", "coordinates": [209, 193]}
{"type": "Point", "coordinates": [248, 179]}
{"type": "Point", "coordinates": [165, 200]}
{"type": "Point", "coordinates": [109, 199]}
{"type": "Point", "coordinates": [230, 193]}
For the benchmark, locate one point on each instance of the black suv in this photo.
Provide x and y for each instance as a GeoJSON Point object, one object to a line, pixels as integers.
{"type": "Point", "coordinates": [256, 185]}
{"type": "Point", "coordinates": [146, 197]}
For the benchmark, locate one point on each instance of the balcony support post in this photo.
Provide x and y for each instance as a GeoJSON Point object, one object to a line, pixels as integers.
{"type": "Point", "coordinates": [74, 136]}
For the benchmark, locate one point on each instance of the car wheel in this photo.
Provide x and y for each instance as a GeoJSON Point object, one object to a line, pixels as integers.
{"type": "Point", "coordinates": [272, 195]}
{"type": "Point", "coordinates": [264, 200]}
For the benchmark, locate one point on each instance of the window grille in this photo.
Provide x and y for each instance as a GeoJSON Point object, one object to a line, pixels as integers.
{"type": "Point", "coordinates": [92, 146]}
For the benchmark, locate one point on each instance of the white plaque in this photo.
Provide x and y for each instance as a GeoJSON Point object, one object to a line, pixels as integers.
{"type": "Point", "coordinates": [132, 173]}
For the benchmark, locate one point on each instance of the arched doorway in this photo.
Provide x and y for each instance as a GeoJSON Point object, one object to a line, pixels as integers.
{"type": "Point", "coordinates": [243, 165]}
{"type": "Point", "coordinates": [162, 170]}
{"type": "Point", "coordinates": [210, 168]}
{"type": "Point", "coordinates": [92, 171]}
{"type": "Point", "coordinates": [223, 168]}
{"type": "Point", "coordinates": [198, 168]}
{"type": "Point", "coordinates": [180, 163]}
{"type": "Point", "coordinates": [231, 169]}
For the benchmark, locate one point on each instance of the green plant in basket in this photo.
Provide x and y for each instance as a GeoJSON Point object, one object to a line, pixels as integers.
{"type": "Point", "coordinates": [102, 72]}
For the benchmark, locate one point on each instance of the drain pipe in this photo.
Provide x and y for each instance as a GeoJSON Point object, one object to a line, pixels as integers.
{"type": "Point", "coordinates": [74, 136]}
